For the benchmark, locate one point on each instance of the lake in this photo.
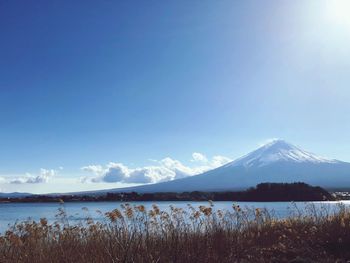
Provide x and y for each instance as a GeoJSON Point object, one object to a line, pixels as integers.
{"type": "Point", "coordinates": [12, 212]}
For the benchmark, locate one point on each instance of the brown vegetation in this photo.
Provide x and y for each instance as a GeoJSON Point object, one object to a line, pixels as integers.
{"type": "Point", "coordinates": [134, 234]}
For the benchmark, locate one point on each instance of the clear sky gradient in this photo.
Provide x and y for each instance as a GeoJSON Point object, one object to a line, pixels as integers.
{"type": "Point", "coordinates": [87, 82]}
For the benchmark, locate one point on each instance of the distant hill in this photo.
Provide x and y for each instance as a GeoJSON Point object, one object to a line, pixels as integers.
{"type": "Point", "coordinates": [265, 192]}
{"type": "Point", "coordinates": [14, 195]}
{"type": "Point", "coordinates": [268, 192]}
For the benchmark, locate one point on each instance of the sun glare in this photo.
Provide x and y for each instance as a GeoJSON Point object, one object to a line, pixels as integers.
{"type": "Point", "coordinates": [339, 11]}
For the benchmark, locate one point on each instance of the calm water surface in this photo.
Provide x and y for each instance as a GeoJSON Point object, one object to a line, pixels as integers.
{"type": "Point", "coordinates": [12, 212]}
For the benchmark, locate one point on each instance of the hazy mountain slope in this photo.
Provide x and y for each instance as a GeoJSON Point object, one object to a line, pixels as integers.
{"type": "Point", "coordinates": [277, 161]}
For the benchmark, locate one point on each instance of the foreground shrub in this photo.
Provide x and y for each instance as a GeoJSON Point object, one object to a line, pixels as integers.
{"type": "Point", "coordinates": [204, 234]}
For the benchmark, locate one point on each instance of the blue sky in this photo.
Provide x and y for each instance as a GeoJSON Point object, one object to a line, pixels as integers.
{"type": "Point", "coordinates": [134, 82]}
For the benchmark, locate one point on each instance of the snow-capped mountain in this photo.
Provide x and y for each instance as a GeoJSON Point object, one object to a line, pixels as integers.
{"type": "Point", "coordinates": [277, 161]}
{"type": "Point", "coordinates": [278, 150]}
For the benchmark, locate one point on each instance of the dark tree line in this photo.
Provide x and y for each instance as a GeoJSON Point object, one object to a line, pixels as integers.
{"type": "Point", "coordinates": [262, 192]}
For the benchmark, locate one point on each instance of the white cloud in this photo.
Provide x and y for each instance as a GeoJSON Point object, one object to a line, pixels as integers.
{"type": "Point", "coordinates": [43, 177]}
{"type": "Point", "coordinates": [219, 160]}
{"type": "Point", "coordinates": [117, 172]}
{"type": "Point", "coordinates": [96, 169]}
{"type": "Point", "coordinates": [178, 168]}
{"type": "Point", "coordinates": [198, 157]}
{"type": "Point", "coordinates": [150, 174]}
{"type": "Point", "coordinates": [166, 169]}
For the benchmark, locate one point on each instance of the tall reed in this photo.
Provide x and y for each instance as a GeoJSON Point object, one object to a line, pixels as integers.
{"type": "Point", "coordinates": [194, 234]}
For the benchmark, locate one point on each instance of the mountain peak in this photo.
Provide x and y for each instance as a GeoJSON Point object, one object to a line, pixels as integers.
{"type": "Point", "coordinates": [277, 151]}
{"type": "Point", "coordinates": [278, 143]}
{"type": "Point", "coordinates": [277, 162]}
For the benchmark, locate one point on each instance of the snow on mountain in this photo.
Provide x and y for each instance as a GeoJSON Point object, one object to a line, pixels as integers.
{"type": "Point", "coordinates": [275, 151]}
{"type": "Point", "coordinates": [278, 162]}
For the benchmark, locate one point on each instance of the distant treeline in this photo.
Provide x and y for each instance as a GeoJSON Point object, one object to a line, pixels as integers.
{"type": "Point", "coordinates": [262, 192]}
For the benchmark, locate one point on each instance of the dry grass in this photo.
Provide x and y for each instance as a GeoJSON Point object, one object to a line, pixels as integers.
{"type": "Point", "coordinates": [134, 234]}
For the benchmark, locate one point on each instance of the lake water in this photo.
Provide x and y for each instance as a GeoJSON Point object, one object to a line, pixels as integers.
{"type": "Point", "coordinates": [12, 212]}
